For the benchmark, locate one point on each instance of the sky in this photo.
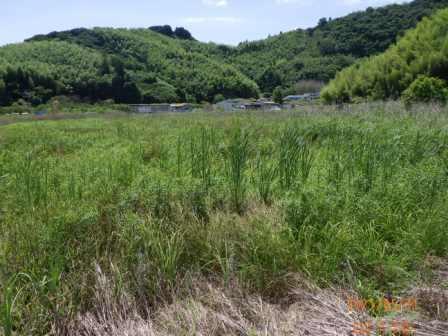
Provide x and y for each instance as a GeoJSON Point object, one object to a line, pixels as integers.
{"type": "Point", "coordinates": [220, 21]}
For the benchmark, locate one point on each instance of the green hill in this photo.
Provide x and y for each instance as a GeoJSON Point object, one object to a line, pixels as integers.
{"type": "Point", "coordinates": [319, 53]}
{"type": "Point", "coordinates": [421, 52]}
{"type": "Point", "coordinates": [136, 65]}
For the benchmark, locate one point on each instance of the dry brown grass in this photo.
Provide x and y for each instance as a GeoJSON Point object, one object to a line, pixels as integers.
{"type": "Point", "coordinates": [210, 309]}
{"type": "Point", "coordinates": [432, 297]}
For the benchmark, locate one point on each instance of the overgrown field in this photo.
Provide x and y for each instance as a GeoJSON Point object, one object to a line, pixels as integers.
{"type": "Point", "coordinates": [356, 198]}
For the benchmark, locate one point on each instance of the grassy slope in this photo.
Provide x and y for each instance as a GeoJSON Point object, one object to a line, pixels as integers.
{"type": "Point", "coordinates": [358, 200]}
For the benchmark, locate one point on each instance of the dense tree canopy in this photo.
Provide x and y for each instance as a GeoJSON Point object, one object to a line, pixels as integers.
{"type": "Point", "coordinates": [422, 51]}
{"type": "Point", "coordinates": [179, 32]}
{"type": "Point", "coordinates": [319, 53]}
{"type": "Point", "coordinates": [130, 66]}
{"type": "Point", "coordinates": [39, 70]}
{"type": "Point", "coordinates": [372, 31]}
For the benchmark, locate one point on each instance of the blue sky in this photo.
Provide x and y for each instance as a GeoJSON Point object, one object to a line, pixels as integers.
{"type": "Point", "coordinates": [222, 21]}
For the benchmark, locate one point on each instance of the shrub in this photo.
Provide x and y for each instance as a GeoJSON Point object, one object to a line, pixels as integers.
{"type": "Point", "coordinates": [426, 89]}
{"type": "Point", "coordinates": [218, 98]}
{"type": "Point", "coordinates": [277, 95]}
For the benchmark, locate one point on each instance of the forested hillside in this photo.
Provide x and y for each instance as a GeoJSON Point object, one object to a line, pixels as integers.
{"type": "Point", "coordinates": [161, 64]}
{"type": "Point", "coordinates": [129, 66]}
{"type": "Point", "coordinates": [416, 67]}
{"type": "Point", "coordinates": [37, 71]}
{"type": "Point", "coordinates": [319, 53]}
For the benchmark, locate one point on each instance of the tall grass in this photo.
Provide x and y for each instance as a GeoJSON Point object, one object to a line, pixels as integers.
{"type": "Point", "coordinates": [353, 197]}
{"type": "Point", "coordinates": [11, 293]}
{"type": "Point", "coordinates": [201, 156]}
{"type": "Point", "coordinates": [296, 157]}
{"type": "Point", "coordinates": [289, 157]}
{"type": "Point", "coordinates": [306, 159]}
{"type": "Point", "coordinates": [237, 156]}
{"type": "Point", "coordinates": [366, 162]}
{"type": "Point", "coordinates": [265, 176]}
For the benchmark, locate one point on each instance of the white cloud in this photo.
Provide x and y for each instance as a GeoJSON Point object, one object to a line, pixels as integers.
{"type": "Point", "coordinates": [297, 2]}
{"type": "Point", "coordinates": [369, 2]}
{"type": "Point", "coordinates": [287, 1]}
{"type": "Point", "coordinates": [343, 2]}
{"type": "Point", "coordinates": [208, 19]}
{"type": "Point", "coordinates": [215, 3]}
{"type": "Point", "coordinates": [351, 2]}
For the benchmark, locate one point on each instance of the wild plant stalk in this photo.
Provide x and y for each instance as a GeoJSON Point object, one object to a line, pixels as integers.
{"type": "Point", "coordinates": [289, 157]}
{"type": "Point", "coordinates": [306, 159]}
{"type": "Point", "coordinates": [296, 158]}
{"type": "Point", "coordinates": [7, 310]}
{"type": "Point", "coordinates": [444, 160]}
{"type": "Point", "coordinates": [265, 178]}
{"type": "Point", "coordinates": [237, 159]}
{"type": "Point", "coordinates": [205, 156]}
{"type": "Point", "coordinates": [72, 187]}
{"type": "Point", "coordinates": [164, 157]}
{"type": "Point", "coordinates": [389, 161]}
{"type": "Point", "coordinates": [167, 252]}
{"type": "Point", "coordinates": [418, 149]}
{"type": "Point", "coordinates": [343, 155]}
{"type": "Point", "coordinates": [120, 129]}
{"type": "Point", "coordinates": [46, 186]}
{"type": "Point", "coordinates": [179, 157]}
{"type": "Point", "coordinates": [225, 260]}
{"type": "Point", "coordinates": [161, 206]}
{"type": "Point", "coordinates": [200, 154]}
{"type": "Point", "coordinates": [335, 165]}
{"type": "Point", "coordinates": [32, 180]}
{"type": "Point", "coordinates": [11, 294]}
{"type": "Point", "coordinates": [367, 162]}
{"type": "Point", "coordinates": [25, 175]}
